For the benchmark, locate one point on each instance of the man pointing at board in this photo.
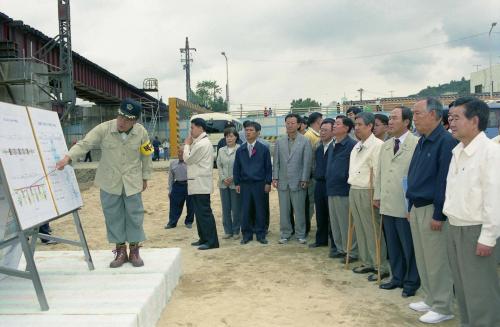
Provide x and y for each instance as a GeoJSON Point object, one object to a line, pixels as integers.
{"type": "Point", "coordinates": [122, 175]}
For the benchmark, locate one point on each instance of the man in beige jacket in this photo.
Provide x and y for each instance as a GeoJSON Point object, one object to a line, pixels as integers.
{"type": "Point", "coordinates": [395, 157]}
{"type": "Point", "coordinates": [122, 175]}
{"type": "Point", "coordinates": [199, 157]}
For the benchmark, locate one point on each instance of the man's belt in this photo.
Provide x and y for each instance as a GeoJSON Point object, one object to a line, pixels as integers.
{"type": "Point", "coordinates": [181, 182]}
{"type": "Point", "coordinates": [418, 203]}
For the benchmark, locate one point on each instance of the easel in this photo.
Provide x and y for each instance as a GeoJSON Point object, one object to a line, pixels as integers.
{"type": "Point", "coordinates": [28, 249]}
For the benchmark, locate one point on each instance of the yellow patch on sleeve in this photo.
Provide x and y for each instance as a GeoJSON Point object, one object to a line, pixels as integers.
{"type": "Point", "coordinates": [146, 148]}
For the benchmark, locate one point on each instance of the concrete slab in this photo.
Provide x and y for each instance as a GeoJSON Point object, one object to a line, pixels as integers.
{"type": "Point", "coordinates": [125, 296]}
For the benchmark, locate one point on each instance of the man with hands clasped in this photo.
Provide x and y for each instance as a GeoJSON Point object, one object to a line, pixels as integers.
{"type": "Point", "coordinates": [252, 175]}
{"type": "Point", "coordinates": [291, 173]}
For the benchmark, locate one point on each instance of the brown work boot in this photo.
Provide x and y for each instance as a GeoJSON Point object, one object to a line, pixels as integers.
{"type": "Point", "coordinates": [134, 257]}
{"type": "Point", "coordinates": [120, 256]}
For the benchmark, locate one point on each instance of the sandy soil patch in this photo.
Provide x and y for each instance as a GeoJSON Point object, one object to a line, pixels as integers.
{"type": "Point", "coordinates": [251, 285]}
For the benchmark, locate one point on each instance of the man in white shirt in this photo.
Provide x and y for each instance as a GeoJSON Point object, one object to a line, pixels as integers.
{"type": "Point", "coordinates": [362, 169]}
{"type": "Point", "coordinates": [472, 207]}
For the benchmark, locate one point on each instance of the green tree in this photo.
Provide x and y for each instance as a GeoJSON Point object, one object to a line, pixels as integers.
{"type": "Point", "coordinates": [306, 103]}
{"type": "Point", "coordinates": [208, 95]}
{"type": "Point", "coordinates": [211, 87]}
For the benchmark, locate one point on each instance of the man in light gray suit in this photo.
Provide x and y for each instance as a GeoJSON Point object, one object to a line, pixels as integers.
{"type": "Point", "coordinates": [291, 172]}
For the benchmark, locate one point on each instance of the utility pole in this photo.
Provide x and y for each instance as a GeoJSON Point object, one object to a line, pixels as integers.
{"type": "Point", "coordinates": [491, 74]}
{"type": "Point", "coordinates": [477, 67]}
{"type": "Point", "coordinates": [187, 67]}
{"type": "Point", "coordinates": [391, 92]}
{"type": "Point", "coordinates": [361, 94]}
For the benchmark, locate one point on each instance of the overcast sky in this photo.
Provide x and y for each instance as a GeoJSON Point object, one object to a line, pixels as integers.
{"type": "Point", "coordinates": [280, 50]}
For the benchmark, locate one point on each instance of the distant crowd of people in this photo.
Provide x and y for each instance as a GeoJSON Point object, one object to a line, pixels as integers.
{"type": "Point", "coordinates": [162, 148]}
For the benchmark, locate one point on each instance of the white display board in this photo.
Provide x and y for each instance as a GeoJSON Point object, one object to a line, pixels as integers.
{"type": "Point", "coordinates": [31, 142]}
{"type": "Point", "coordinates": [23, 167]}
{"type": "Point", "coordinates": [50, 139]}
{"type": "Point", "coordinates": [10, 255]}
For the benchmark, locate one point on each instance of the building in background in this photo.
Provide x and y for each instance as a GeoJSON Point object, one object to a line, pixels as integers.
{"type": "Point", "coordinates": [480, 81]}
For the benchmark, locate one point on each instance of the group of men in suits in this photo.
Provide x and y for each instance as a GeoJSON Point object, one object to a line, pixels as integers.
{"type": "Point", "coordinates": [393, 190]}
{"type": "Point", "coordinates": [387, 204]}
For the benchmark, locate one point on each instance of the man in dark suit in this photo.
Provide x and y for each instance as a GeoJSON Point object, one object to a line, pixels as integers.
{"type": "Point", "coordinates": [323, 148]}
{"type": "Point", "coordinates": [252, 175]}
{"type": "Point", "coordinates": [337, 189]}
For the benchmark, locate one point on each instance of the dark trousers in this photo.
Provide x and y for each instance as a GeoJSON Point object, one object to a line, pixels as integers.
{"type": "Point", "coordinates": [401, 254]}
{"type": "Point", "coordinates": [323, 231]}
{"type": "Point", "coordinates": [266, 207]}
{"type": "Point", "coordinates": [253, 199]}
{"type": "Point", "coordinates": [44, 229]}
{"type": "Point", "coordinates": [88, 157]}
{"type": "Point", "coordinates": [205, 221]}
{"type": "Point", "coordinates": [178, 196]}
{"type": "Point", "coordinates": [156, 154]}
{"type": "Point", "coordinates": [308, 215]}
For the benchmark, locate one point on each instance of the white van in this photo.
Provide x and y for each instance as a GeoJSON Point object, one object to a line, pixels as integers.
{"type": "Point", "coordinates": [216, 121]}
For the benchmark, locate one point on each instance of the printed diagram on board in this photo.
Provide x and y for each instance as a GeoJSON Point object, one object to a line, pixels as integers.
{"type": "Point", "coordinates": [28, 196]}
{"type": "Point", "coordinates": [50, 139]}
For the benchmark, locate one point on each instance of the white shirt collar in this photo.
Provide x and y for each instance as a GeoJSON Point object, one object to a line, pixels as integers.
{"type": "Point", "coordinates": [202, 135]}
{"type": "Point", "coordinates": [328, 144]}
{"type": "Point", "coordinates": [402, 138]}
{"type": "Point", "coordinates": [472, 147]}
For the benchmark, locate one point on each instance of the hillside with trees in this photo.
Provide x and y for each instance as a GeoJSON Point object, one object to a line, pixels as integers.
{"type": "Point", "coordinates": [461, 87]}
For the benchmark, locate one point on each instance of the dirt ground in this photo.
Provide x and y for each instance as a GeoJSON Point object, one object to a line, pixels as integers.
{"type": "Point", "coordinates": [251, 285]}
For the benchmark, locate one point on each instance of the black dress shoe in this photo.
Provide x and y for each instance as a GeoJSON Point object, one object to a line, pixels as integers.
{"type": "Point", "coordinates": [169, 226]}
{"type": "Point", "coordinates": [206, 247]}
{"type": "Point", "coordinates": [351, 259]}
{"type": "Point", "coordinates": [374, 277]}
{"type": "Point", "coordinates": [263, 241]}
{"type": "Point", "coordinates": [336, 254]}
{"type": "Point", "coordinates": [362, 269]}
{"type": "Point", "coordinates": [243, 241]}
{"type": "Point", "coordinates": [197, 243]}
{"type": "Point", "coordinates": [316, 245]}
{"type": "Point", "coordinates": [406, 294]}
{"type": "Point", "coordinates": [389, 286]}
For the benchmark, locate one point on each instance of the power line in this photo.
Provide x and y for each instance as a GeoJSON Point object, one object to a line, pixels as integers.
{"type": "Point", "coordinates": [388, 53]}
